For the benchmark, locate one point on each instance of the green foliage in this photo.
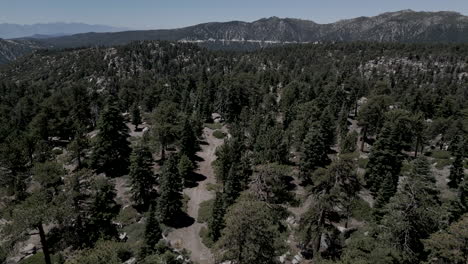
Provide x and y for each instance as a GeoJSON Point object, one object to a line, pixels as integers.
{"type": "Point", "coordinates": [127, 216]}
{"type": "Point", "coordinates": [449, 246]}
{"type": "Point", "coordinates": [102, 211]}
{"type": "Point", "coordinates": [384, 164]}
{"type": "Point", "coordinates": [111, 150]}
{"type": "Point", "coordinates": [456, 172]}
{"type": "Point", "coordinates": [364, 248]}
{"type": "Point", "coordinates": [413, 213]}
{"type": "Point", "coordinates": [216, 221]}
{"type": "Point", "coordinates": [270, 145]}
{"type": "Point", "coordinates": [170, 192]}
{"type": "Point", "coordinates": [205, 210]}
{"type": "Point", "coordinates": [213, 126]}
{"type": "Point", "coordinates": [153, 234]}
{"type": "Point", "coordinates": [315, 153]}
{"type": "Point", "coordinates": [48, 174]}
{"type": "Point", "coordinates": [165, 124]}
{"type": "Point", "coordinates": [219, 134]}
{"type": "Point", "coordinates": [349, 143]}
{"type": "Point", "coordinates": [206, 238]}
{"type": "Point", "coordinates": [185, 168]}
{"type": "Point", "coordinates": [136, 116]}
{"type": "Point", "coordinates": [251, 234]}
{"type": "Point", "coordinates": [271, 98]}
{"type": "Point", "coordinates": [440, 154]}
{"type": "Point", "coordinates": [269, 184]}
{"type": "Point", "coordinates": [188, 139]}
{"type": "Point", "coordinates": [362, 163]}
{"type": "Point", "coordinates": [3, 254]}
{"type": "Point", "coordinates": [142, 176]}
{"type": "Point", "coordinates": [38, 258]}
{"type": "Point", "coordinates": [105, 252]}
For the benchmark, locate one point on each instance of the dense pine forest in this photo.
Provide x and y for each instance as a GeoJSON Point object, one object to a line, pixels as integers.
{"type": "Point", "coordinates": [160, 152]}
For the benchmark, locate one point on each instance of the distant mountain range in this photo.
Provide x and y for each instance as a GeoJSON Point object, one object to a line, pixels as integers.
{"type": "Point", "coordinates": [401, 26]}
{"type": "Point", "coordinates": [10, 31]}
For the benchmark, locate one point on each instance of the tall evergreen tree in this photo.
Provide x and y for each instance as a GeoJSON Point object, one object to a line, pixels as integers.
{"type": "Point", "coordinates": [216, 222]}
{"type": "Point", "coordinates": [232, 187]}
{"type": "Point", "coordinates": [136, 116]}
{"type": "Point", "coordinates": [185, 168]}
{"type": "Point", "coordinates": [111, 150]}
{"type": "Point", "coordinates": [142, 176]}
{"type": "Point", "coordinates": [35, 212]}
{"type": "Point", "coordinates": [79, 145]}
{"type": "Point", "coordinates": [170, 191]}
{"type": "Point", "coordinates": [251, 234]}
{"type": "Point", "coordinates": [165, 125]}
{"type": "Point", "coordinates": [315, 152]}
{"type": "Point", "coordinates": [413, 213]}
{"type": "Point", "coordinates": [102, 211]}
{"type": "Point", "coordinates": [456, 172]}
{"type": "Point", "coordinates": [384, 162]}
{"type": "Point", "coordinates": [153, 234]}
{"type": "Point", "coordinates": [188, 140]}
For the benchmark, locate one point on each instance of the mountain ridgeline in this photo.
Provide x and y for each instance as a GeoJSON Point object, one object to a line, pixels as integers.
{"type": "Point", "coordinates": [9, 31]}
{"type": "Point", "coordinates": [403, 26]}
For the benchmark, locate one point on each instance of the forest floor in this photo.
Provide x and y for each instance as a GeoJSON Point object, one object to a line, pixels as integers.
{"type": "Point", "coordinates": [189, 237]}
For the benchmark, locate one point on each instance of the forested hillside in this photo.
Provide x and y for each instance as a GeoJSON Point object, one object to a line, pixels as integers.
{"type": "Point", "coordinates": [160, 152]}
{"type": "Point", "coordinates": [405, 26]}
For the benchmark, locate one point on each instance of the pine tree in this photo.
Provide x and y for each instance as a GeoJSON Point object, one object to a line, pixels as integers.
{"type": "Point", "coordinates": [142, 176]}
{"type": "Point", "coordinates": [463, 195]}
{"type": "Point", "coordinates": [35, 212]}
{"type": "Point", "coordinates": [78, 146]}
{"type": "Point", "coordinates": [456, 172]}
{"type": "Point", "coordinates": [413, 213]}
{"type": "Point", "coordinates": [165, 125]}
{"type": "Point", "coordinates": [327, 127]}
{"type": "Point", "coordinates": [314, 154]}
{"type": "Point", "coordinates": [317, 221]}
{"type": "Point", "coordinates": [188, 140]}
{"type": "Point", "coordinates": [136, 116]}
{"type": "Point", "coordinates": [102, 211]}
{"type": "Point", "coordinates": [153, 234]}
{"type": "Point", "coordinates": [232, 187]}
{"type": "Point", "coordinates": [349, 143]}
{"type": "Point", "coordinates": [170, 196]}
{"type": "Point", "coordinates": [251, 234]}
{"type": "Point", "coordinates": [185, 168]}
{"type": "Point", "coordinates": [384, 163]}
{"type": "Point", "coordinates": [386, 191]}
{"type": "Point", "coordinates": [216, 223]}
{"type": "Point", "coordinates": [111, 151]}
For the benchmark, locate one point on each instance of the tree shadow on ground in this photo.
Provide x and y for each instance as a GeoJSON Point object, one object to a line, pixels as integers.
{"type": "Point", "coordinates": [195, 178]}
{"type": "Point", "coordinates": [289, 183]}
{"type": "Point", "coordinates": [181, 220]}
{"type": "Point", "coordinates": [198, 158]}
{"type": "Point", "coordinates": [202, 143]}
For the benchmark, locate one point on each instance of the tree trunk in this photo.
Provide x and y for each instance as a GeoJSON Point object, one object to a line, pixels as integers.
{"type": "Point", "coordinates": [163, 152]}
{"type": "Point", "coordinates": [355, 109]}
{"type": "Point", "coordinates": [45, 248]}
{"type": "Point", "coordinates": [416, 148]}
{"type": "Point", "coordinates": [79, 158]}
{"type": "Point", "coordinates": [319, 234]}
{"type": "Point", "coordinates": [363, 138]}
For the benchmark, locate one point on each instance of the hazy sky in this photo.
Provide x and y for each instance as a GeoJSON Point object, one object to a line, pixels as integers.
{"type": "Point", "coordinates": [177, 13]}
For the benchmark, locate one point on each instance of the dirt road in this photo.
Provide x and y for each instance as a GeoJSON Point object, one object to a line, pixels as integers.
{"type": "Point", "coordinates": [188, 237]}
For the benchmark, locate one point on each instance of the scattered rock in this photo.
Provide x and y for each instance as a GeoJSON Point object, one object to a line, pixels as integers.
{"type": "Point", "coordinates": [130, 261]}
{"type": "Point", "coordinates": [28, 249]}
{"type": "Point", "coordinates": [123, 237]}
